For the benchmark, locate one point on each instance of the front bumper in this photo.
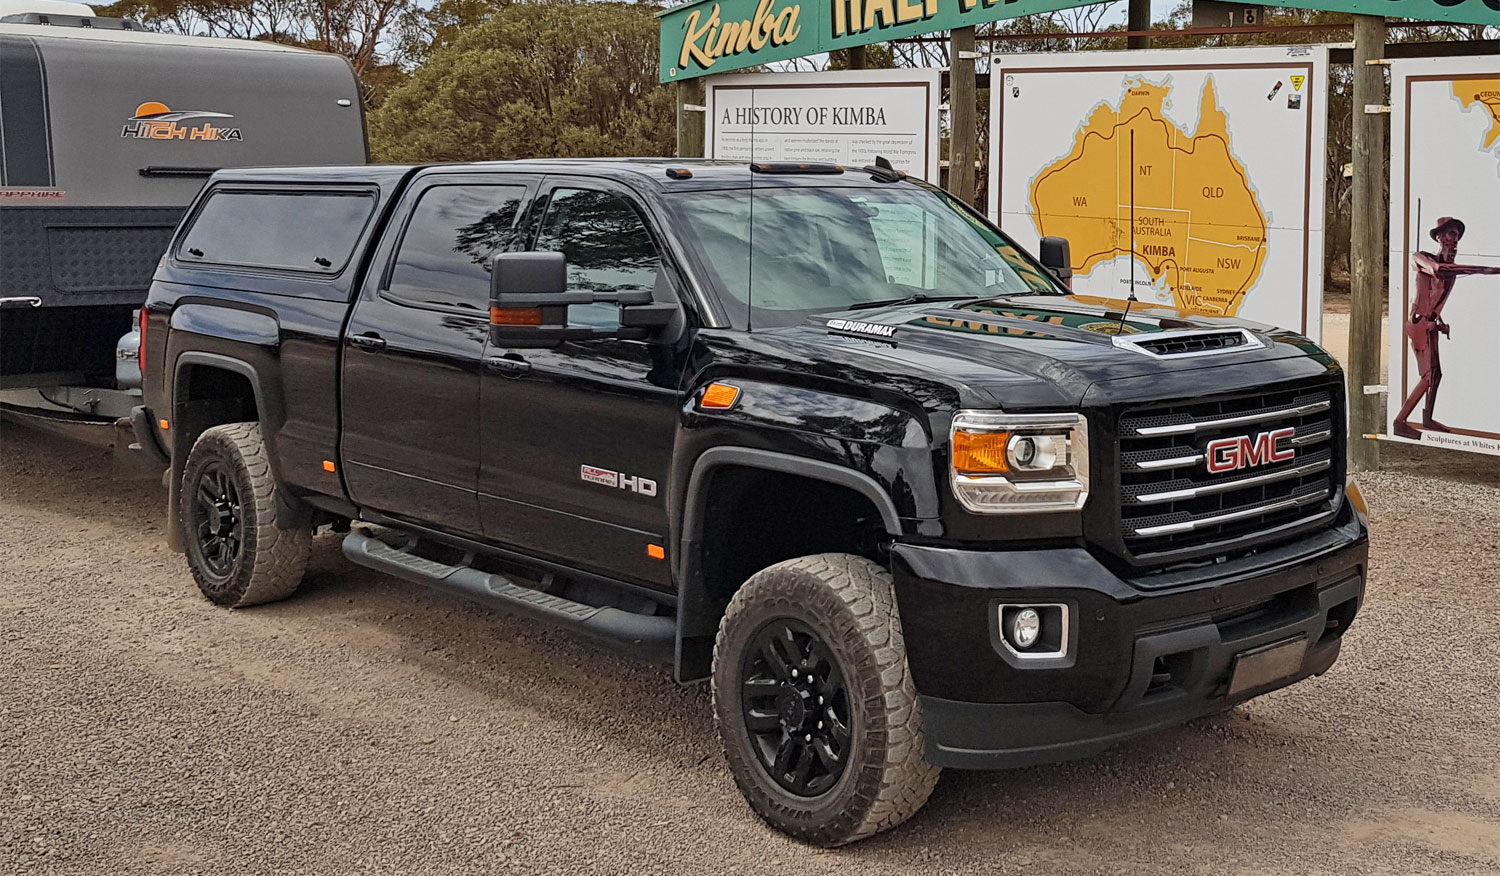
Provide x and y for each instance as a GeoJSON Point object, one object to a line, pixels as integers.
{"type": "Point", "coordinates": [1138, 660]}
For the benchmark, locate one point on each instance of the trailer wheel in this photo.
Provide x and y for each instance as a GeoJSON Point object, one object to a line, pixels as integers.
{"type": "Point", "coordinates": [814, 702]}
{"type": "Point", "coordinates": [239, 551]}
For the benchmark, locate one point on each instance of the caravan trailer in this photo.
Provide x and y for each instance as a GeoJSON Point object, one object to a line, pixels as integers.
{"type": "Point", "coordinates": [107, 132]}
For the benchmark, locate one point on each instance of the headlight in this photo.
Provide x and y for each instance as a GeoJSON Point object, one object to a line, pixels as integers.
{"type": "Point", "coordinates": [1004, 463]}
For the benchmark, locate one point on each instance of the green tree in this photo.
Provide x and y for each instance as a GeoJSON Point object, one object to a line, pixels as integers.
{"type": "Point", "coordinates": [532, 79]}
{"type": "Point", "coordinates": [370, 33]}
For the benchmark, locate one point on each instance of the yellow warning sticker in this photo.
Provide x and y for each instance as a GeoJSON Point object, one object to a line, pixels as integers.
{"type": "Point", "coordinates": [1297, 82]}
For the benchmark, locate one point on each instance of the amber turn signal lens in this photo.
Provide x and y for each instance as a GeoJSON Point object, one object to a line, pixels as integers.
{"type": "Point", "coordinates": [1356, 498]}
{"type": "Point", "coordinates": [720, 396]}
{"type": "Point", "coordinates": [980, 452]}
{"type": "Point", "coordinates": [329, 466]}
{"type": "Point", "coordinates": [656, 552]}
{"type": "Point", "coordinates": [515, 316]}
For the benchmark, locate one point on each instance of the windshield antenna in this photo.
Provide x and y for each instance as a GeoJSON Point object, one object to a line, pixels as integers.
{"type": "Point", "coordinates": [1130, 299]}
{"type": "Point", "coordinates": [750, 242]}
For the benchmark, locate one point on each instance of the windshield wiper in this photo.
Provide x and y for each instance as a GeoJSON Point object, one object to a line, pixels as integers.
{"type": "Point", "coordinates": [915, 298]}
{"type": "Point", "coordinates": [1056, 293]}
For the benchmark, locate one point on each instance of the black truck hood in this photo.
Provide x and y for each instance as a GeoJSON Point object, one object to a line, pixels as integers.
{"type": "Point", "coordinates": [1034, 351]}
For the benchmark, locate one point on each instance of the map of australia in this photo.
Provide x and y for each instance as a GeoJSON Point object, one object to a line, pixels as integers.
{"type": "Point", "coordinates": [1200, 231]}
{"type": "Point", "coordinates": [1484, 93]}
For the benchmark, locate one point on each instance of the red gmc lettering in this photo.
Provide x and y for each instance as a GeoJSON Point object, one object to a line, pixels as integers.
{"type": "Point", "coordinates": [1243, 451]}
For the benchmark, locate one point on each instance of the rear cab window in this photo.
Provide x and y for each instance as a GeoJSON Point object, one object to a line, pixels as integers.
{"type": "Point", "coordinates": [443, 259]}
{"type": "Point", "coordinates": [308, 231]}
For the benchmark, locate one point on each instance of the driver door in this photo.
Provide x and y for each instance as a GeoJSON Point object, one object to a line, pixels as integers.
{"type": "Point", "coordinates": [576, 439]}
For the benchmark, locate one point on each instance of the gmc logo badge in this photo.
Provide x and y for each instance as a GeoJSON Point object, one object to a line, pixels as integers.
{"type": "Point", "coordinates": [1245, 451]}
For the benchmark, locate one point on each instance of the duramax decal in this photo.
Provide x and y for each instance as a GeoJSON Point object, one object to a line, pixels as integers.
{"type": "Point", "coordinates": [861, 328]}
{"type": "Point", "coordinates": [155, 121]}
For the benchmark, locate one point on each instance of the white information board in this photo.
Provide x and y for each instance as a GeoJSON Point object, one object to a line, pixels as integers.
{"type": "Point", "coordinates": [1444, 378]}
{"type": "Point", "coordinates": [839, 117]}
{"type": "Point", "coordinates": [1226, 181]}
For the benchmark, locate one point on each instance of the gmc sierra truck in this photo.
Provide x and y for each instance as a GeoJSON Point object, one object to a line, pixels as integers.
{"type": "Point", "coordinates": [821, 435]}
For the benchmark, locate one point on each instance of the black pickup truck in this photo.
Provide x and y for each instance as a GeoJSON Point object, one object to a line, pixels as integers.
{"type": "Point", "coordinates": [822, 435]}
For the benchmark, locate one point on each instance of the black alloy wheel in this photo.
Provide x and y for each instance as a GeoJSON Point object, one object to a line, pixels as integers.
{"type": "Point", "coordinates": [796, 707]}
{"type": "Point", "coordinates": [218, 520]}
{"type": "Point", "coordinates": [814, 702]}
{"type": "Point", "coordinates": [245, 544]}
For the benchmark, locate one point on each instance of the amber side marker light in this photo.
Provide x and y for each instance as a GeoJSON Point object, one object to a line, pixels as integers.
{"type": "Point", "coordinates": [980, 452]}
{"type": "Point", "coordinates": [656, 552]}
{"type": "Point", "coordinates": [720, 396]}
{"type": "Point", "coordinates": [329, 466]}
{"type": "Point", "coordinates": [1356, 498]}
{"type": "Point", "coordinates": [515, 316]}
{"type": "Point", "coordinates": [164, 424]}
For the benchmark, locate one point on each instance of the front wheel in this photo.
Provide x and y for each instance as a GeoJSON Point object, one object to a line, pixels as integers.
{"type": "Point", "coordinates": [240, 550]}
{"type": "Point", "coordinates": [815, 704]}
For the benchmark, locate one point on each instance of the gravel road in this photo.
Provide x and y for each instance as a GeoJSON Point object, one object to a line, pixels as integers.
{"type": "Point", "coordinates": [368, 726]}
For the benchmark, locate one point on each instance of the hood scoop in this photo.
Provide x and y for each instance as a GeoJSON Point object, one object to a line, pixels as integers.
{"type": "Point", "coordinates": [1185, 344]}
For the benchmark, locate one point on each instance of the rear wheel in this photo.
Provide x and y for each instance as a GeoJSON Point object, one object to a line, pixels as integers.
{"type": "Point", "coordinates": [239, 551]}
{"type": "Point", "coordinates": [814, 702]}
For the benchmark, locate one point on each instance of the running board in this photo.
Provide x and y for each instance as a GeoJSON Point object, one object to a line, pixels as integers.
{"type": "Point", "coordinates": [650, 636]}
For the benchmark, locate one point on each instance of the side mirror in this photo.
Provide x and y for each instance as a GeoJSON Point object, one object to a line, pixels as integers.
{"type": "Point", "coordinates": [529, 301]}
{"type": "Point", "coordinates": [527, 292]}
{"type": "Point", "coordinates": [1057, 258]}
{"type": "Point", "coordinates": [528, 273]}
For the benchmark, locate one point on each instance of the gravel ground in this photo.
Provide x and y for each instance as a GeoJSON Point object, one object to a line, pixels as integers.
{"type": "Point", "coordinates": [371, 726]}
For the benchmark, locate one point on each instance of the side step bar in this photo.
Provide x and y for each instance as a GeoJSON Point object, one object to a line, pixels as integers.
{"type": "Point", "coordinates": [650, 636]}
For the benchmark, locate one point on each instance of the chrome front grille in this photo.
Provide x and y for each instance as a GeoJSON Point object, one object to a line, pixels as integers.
{"type": "Point", "coordinates": [1169, 500]}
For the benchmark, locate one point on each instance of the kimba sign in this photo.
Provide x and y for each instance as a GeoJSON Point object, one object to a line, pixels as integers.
{"type": "Point", "coordinates": [714, 36]}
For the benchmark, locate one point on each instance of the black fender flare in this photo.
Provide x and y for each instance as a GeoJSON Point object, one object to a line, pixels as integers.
{"type": "Point", "coordinates": [188, 425]}
{"type": "Point", "coordinates": [697, 621]}
{"type": "Point", "coordinates": [227, 324]}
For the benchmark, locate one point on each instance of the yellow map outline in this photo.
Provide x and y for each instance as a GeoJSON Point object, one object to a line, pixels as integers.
{"type": "Point", "coordinates": [1157, 209]}
{"type": "Point", "coordinates": [1486, 93]}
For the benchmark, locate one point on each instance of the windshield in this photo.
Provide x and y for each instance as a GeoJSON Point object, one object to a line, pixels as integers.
{"type": "Point", "coordinates": [816, 250]}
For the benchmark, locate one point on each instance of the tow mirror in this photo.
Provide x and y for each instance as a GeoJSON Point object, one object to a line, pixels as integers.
{"type": "Point", "coordinates": [1056, 258]}
{"type": "Point", "coordinates": [529, 301]}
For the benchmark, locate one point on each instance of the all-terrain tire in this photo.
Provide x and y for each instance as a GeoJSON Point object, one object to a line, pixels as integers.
{"type": "Point", "coordinates": [849, 603]}
{"type": "Point", "coordinates": [271, 553]}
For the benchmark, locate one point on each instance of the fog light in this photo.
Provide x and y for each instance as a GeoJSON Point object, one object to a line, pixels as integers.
{"type": "Point", "coordinates": [1025, 628]}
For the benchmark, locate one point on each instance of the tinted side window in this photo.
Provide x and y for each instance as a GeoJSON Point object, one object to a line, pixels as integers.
{"type": "Point", "coordinates": [444, 254]}
{"type": "Point", "coordinates": [607, 247]}
{"type": "Point", "coordinates": [301, 231]}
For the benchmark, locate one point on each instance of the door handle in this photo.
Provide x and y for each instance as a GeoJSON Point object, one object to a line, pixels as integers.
{"type": "Point", "coordinates": [508, 367]}
{"type": "Point", "coordinates": [368, 340]}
